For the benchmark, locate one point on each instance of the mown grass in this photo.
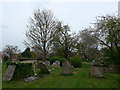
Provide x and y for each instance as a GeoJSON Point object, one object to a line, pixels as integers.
{"type": "Point", "coordinates": [79, 79]}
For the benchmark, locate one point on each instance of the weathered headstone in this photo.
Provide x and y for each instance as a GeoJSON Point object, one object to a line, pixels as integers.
{"type": "Point", "coordinates": [108, 69]}
{"type": "Point", "coordinates": [31, 78]}
{"type": "Point", "coordinates": [9, 72]}
{"type": "Point", "coordinates": [43, 67]}
{"type": "Point", "coordinates": [73, 67]}
{"type": "Point", "coordinates": [56, 64]}
{"type": "Point", "coordinates": [47, 63]}
{"type": "Point", "coordinates": [97, 70]}
{"type": "Point", "coordinates": [67, 67]}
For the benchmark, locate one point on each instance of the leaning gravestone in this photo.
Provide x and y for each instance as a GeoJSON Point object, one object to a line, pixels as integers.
{"type": "Point", "coordinates": [97, 70]}
{"type": "Point", "coordinates": [9, 72]}
{"type": "Point", "coordinates": [67, 67]}
{"type": "Point", "coordinates": [43, 67]}
{"type": "Point", "coordinates": [47, 63]}
{"type": "Point", "coordinates": [56, 64]}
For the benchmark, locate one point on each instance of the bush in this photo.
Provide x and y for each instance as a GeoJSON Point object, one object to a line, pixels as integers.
{"type": "Point", "coordinates": [76, 61]}
{"type": "Point", "coordinates": [111, 57]}
{"type": "Point", "coordinates": [56, 58]}
{"type": "Point", "coordinates": [5, 58]}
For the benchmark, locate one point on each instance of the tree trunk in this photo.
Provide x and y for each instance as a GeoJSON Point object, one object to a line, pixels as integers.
{"type": "Point", "coordinates": [44, 51]}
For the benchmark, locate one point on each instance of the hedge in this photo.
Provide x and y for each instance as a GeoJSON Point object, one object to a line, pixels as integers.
{"type": "Point", "coordinates": [22, 70]}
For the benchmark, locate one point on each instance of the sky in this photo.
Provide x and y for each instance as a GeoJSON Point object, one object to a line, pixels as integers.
{"type": "Point", "coordinates": [14, 16]}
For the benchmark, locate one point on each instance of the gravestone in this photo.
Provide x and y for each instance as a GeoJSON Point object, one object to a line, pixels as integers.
{"type": "Point", "coordinates": [47, 63]}
{"type": "Point", "coordinates": [43, 68]}
{"type": "Point", "coordinates": [67, 67]}
{"type": "Point", "coordinates": [97, 70]}
{"type": "Point", "coordinates": [108, 69]}
{"type": "Point", "coordinates": [73, 67]}
{"type": "Point", "coordinates": [56, 64]}
{"type": "Point", "coordinates": [9, 72]}
{"type": "Point", "coordinates": [31, 78]}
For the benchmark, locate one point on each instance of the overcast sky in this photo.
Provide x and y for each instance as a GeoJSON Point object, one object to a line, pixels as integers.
{"type": "Point", "coordinates": [78, 15]}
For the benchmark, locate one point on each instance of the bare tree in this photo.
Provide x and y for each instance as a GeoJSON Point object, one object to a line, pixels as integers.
{"type": "Point", "coordinates": [10, 51]}
{"type": "Point", "coordinates": [42, 27]}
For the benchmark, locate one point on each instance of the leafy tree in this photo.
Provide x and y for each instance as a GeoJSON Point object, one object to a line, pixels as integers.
{"type": "Point", "coordinates": [63, 41]}
{"type": "Point", "coordinates": [87, 45]}
{"type": "Point", "coordinates": [107, 32]}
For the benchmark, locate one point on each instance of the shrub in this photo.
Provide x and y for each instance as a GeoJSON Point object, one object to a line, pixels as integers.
{"type": "Point", "coordinates": [56, 58]}
{"type": "Point", "coordinates": [111, 57]}
{"type": "Point", "coordinates": [76, 61]}
{"type": "Point", "coordinates": [5, 58]}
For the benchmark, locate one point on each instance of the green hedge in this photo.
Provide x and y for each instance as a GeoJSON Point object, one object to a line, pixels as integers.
{"type": "Point", "coordinates": [76, 61]}
{"type": "Point", "coordinates": [56, 58]}
{"type": "Point", "coordinates": [22, 70]}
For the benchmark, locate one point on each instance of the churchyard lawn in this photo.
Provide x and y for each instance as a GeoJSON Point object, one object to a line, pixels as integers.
{"type": "Point", "coordinates": [80, 79]}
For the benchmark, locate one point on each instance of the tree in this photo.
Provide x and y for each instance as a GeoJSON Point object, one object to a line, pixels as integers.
{"type": "Point", "coordinates": [10, 51]}
{"type": "Point", "coordinates": [42, 27]}
{"type": "Point", "coordinates": [26, 53]}
{"type": "Point", "coordinates": [107, 32]}
{"type": "Point", "coordinates": [63, 41]}
{"type": "Point", "coordinates": [87, 45]}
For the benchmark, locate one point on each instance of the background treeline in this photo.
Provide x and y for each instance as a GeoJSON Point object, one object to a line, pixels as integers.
{"type": "Point", "coordinates": [49, 38]}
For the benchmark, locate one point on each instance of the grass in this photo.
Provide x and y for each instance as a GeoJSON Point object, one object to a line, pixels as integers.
{"type": "Point", "coordinates": [79, 79]}
{"type": "Point", "coordinates": [0, 75]}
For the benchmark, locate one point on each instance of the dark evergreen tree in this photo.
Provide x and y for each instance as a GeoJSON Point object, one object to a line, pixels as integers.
{"type": "Point", "coordinates": [26, 53]}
